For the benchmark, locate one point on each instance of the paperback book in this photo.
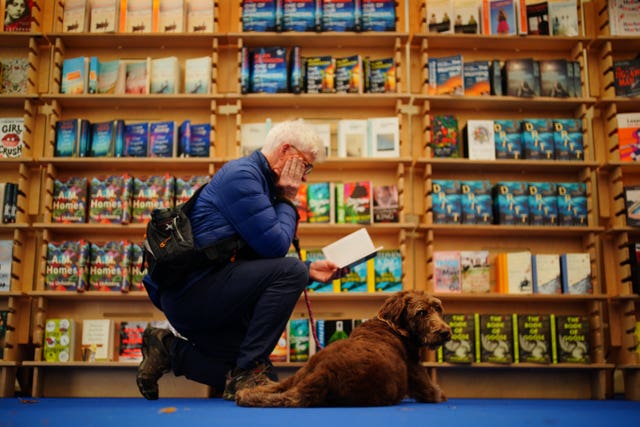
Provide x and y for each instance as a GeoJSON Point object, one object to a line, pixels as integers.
{"type": "Point", "coordinates": [573, 339]}
{"type": "Point", "coordinates": [59, 340]}
{"type": "Point", "coordinates": [628, 136]}
{"type": "Point", "coordinates": [480, 140]}
{"type": "Point", "coordinates": [475, 272]}
{"type": "Point", "coordinates": [320, 74]}
{"type": "Point", "coordinates": [461, 347]}
{"type": "Point", "coordinates": [6, 264]}
{"type": "Point", "coordinates": [352, 138]}
{"type": "Point", "coordinates": [67, 266]}
{"type": "Point", "coordinates": [380, 75]}
{"type": "Point", "coordinates": [445, 141]}
{"type": "Point", "coordinates": [388, 271]}
{"type": "Point", "coordinates": [130, 340]}
{"type": "Point", "coordinates": [357, 202]}
{"type": "Point", "coordinates": [110, 199]}
{"type": "Point", "coordinates": [546, 275]}
{"type": "Point", "coordinates": [137, 269]}
{"type": "Point", "coordinates": [69, 204]}
{"type": "Point", "coordinates": [378, 15]}
{"type": "Point", "coordinates": [476, 202]}
{"type": "Point", "coordinates": [109, 266]}
{"type": "Point", "coordinates": [511, 203]}
{"type": "Point", "coordinates": [572, 204]}
{"type": "Point", "coordinates": [576, 273]}
{"type": "Point", "coordinates": [149, 193]}
{"type": "Point", "coordinates": [11, 137]}
{"type": "Point", "coordinates": [533, 338]}
{"type": "Point", "coordinates": [543, 205]}
{"type": "Point", "coordinates": [14, 75]}
{"type": "Point", "coordinates": [445, 201]}
{"type": "Point", "coordinates": [477, 80]}
{"type": "Point", "coordinates": [447, 272]}
{"type": "Point", "coordinates": [320, 198]}
{"type": "Point", "coordinates": [495, 338]}
{"type": "Point", "coordinates": [71, 135]}
{"type": "Point", "coordinates": [385, 203]}
{"type": "Point", "coordinates": [341, 15]}
{"type": "Point", "coordinates": [446, 75]}
{"type": "Point", "coordinates": [568, 141]}
{"type": "Point", "coordinates": [97, 340]}
{"type": "Point", "coordinates": [299, 340]}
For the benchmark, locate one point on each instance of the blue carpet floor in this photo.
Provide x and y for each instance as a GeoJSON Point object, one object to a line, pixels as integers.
{"type": "Point", "coordinates": [103, 412]}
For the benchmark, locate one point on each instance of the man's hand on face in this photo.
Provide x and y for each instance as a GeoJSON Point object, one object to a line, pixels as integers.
{"type": "Point", "coordinates": [291, 177]}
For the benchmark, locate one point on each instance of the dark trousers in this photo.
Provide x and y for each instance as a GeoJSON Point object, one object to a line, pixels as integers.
{"type": "Point", "coordinates": [233, 316]}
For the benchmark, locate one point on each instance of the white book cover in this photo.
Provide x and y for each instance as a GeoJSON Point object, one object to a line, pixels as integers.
{"type": "Point", "coordinates": [563, 18]}
{"type": "Point", "coordinates": [171, 16]}
{"type": "Point", "coordinates": [439, 16]}
{"type": "Point", "coordinates": [200, 16]}
{"type": "Point", "coordinates": [384, 137]}
{"type": "Point", "coordinates": [576, 273]}
{"type": "Point", "coordinates": [252, 136]}
{"type": "Point", "coordinates": [324, 132]}
{"type": "Point", "coordinates": [11, 136]}
{"type": "Point", "coordinates": [466, 16]}
{"type": "Point", "coordinates": [519, 276]}
{"type": "Point", "coordinates": [139, 16]}
{"type": "Point", "coordinates": [165, 75]}
{"type": "Point", "coordinates": [75, 17]}
{"type": "Point", "coordinates": [104, 16]}
{"type": "Point", "coordinates": [352, 138]}
{"type": "Point", "coordinates": [624, 17]}
{"type": "Point", "coordinates": [6, 257]}
{"type": "Point", "coordinates": [97, 340]}
{"type": "Point", "coordinates": [480, 140]}
{"type": "Point", "coordinates": [546, 274]}
{"type": "Point", "coordinates": [197, 75]}
{"type": "Point", "coordinates": [135, 76]}
{"type": "Point", "coordinates": [351, 249]}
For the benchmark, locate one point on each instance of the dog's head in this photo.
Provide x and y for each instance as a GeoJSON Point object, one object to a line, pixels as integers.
{"type": "Point", "coordinates": [418, 316]}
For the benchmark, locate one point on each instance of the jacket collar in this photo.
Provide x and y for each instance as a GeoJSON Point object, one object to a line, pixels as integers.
{"type": "Point", "coordinates": [264, 166]}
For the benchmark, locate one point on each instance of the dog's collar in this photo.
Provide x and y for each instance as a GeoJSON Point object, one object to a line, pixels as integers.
{"type": "Point", "coordinates": [393, 327]}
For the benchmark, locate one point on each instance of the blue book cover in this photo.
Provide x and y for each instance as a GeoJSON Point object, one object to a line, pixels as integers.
{"type": "Point", "coordinates": [476, 78]}
{"type": "Point", "coordinates": [537, 139]}
{"type": "Point", "coordinates": [357, 278]}
{"type": "Point", "coordinates": [269, 70]}
{"type": "Point", "coordinates": [511, 203]}
{"type": "Point", "coordinates": [261, 15]}
{"type": "Point", "coordinates": [568, 142]}
{"type": "Point", "coordinates": [200, 142]}
{"type": "Point", "coordinates": [92, 81]}
{"type": "Point", "coordinates": [162, 136]}
{"type": "Point", "coordinates": [320, 74]}
{"type": "Point", "coordinates": [341, 15]}
{"type": "Point", "coordinates": [73, 79]}
{"type": "Point", "coordinates": [378, 15]}
{"type": "Point", "coordinates": [315, 286]}
{"type": "Point", "coordinates": [184, 139]}
{"type": "Point", "coordinates": [67, 136]}
{"type": "Point", "coordinates": [245, 70]}
{"type": "Point", "coordinates": [387, 266]}
{"type": "Point", "coordinates": [543, 205]}
{"type": "Point", "coordinates": [445, 201]}
{"type": "Point", "coordinates": [302, 15]}
{"type": "Point", "coordinates": [572, 204]}
{"type": "Point", "coordinates": [476, 202]}
{"type": "Point", "coordinates": [508, 138]}
{"type": "Point", "coordinates": [118, 138]}
{"type": "Point", "coordinates": [136, 139]}
{"type": "Point", "coordinates": [445, 75]}
{"type": "Point", "coordinates": [380, 75]}
{"type": "Point", "coordinates": [102, 136]}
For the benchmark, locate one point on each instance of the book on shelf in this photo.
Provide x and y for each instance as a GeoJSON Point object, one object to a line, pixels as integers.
{"type": "Point", "coordinates": [136, 139]}
{"type": "Point", "coordinates": [521, 77]}
{"type": "Point", "coordinates": [70, 135]}
{"type": "Point", "coordinates": [130, 340]}
{"type": "Point", "coordinates": [626, 77]}
{"type": "Point", "coordinates": [200, 16]}
{"type": "Point", "coordinates": [358, 278]}
{"type": "Point", "coordinates": [495, 76]}
{"type": "Point", "coordinates": [200, 142]}
{"type": "Point", "coordinates": [628, 136]}
{"type": "Point", "coordinates": [109, 266]}
{"type": "Point", "coordinates": [537, 18]}
{"type": "Point", "coordinates": [102, 139]}
{"type": "Point", "coordinates": [513, 272]}
{"type": "Point", "coordinates": [563, 18]}
{"type": "Point", "coordinates": [171, 16]}
{"type": "Point", "coordinates": [388, 273]}
{"type": "Point", "coordinates": [252, 136]}
{"type": "Point", "coordinates": [6, 262]}
{"type": "Point", "coordinates": [624, 17]}
{"type": "Point", "coordinates": [511, 203]}
{"type": "Point", "coordinates": [554, 78]}
{"type": "Point", "coordinates": [634, 266]}
{"type": "Point", "coordinates": [508, 138]}
{"type": "Point", "coordinates": [380, 75]}
{"type": "Point", "coordinates": [447, 272]}
{"type": "Point", "coordinates": [262, 15]}
{"type": "Point", "coordinates": [461, 348]}
{"type": "Point", "coordinates": [631, 195]}
{"type": "Point", "coordinates": [74, 78]}
{"type": "Point", "coordinates": [296, 70]}
{"type": "Point", "coordinates": [138, 16]}
{"type": "Point", "coordinates": [323, 130]}
{"type": "Point", "coordinates": [568, 140]}
{"type": "Point", "coordinates": [104, 16]}
{"type": "Point", "coordinates": [137, 74]}
{"type": "Point", "coordinates": [532, 338]}
{"type": "Point", "coordinates": [385, 203]}
{"type": "Point", "coordinates": [352, 138]}
{"type": "Point", "coordinates": [312, 255]}
{"type": "Point", "coordinates": [543, 203]}
{"type": "Point", "coordinates": [573, 339]}
{"type": "Point", "coordinates": [439, 14]}
{"type": "Point", "coordinates": [576, 273]}
{"type": "Point", "coordinates": [446, 201]}
{"type": "Point", "coordinates": [14, 75]}
{"type": "Point", "coordinates": [4, 326]}
{"type": "Point", "coordinates": [378, 15]}
{"type": "Point", "coordinates": [479, 140]}
{"type": "Point", "coordinates": [164, 75]}
{"type": "Point", "coordinates": [357, 202]}
{"type": "Point", "coordinates": [352, 249]}
{"type": "Point", "coordinates": [537, 139]}
{"type": "Point", "coordinates": [321, 202]}
{"type": "Point", "coordinates": [59, 340]}
{"type": "Point", "coordinates": [475, 275]}
{"type": "Point", "coordinates": [163, 139]}
{"type": "Point", "coordinates": [75, 16]}
{"type": "Point", "coordinates": [499, 17]}
{"type": "Point", "coordinates": [446, 75]}
{"type": "Point", "coordinates": [108, 73]}
{"type": "Point", "coordinates": [466, 15]}
{"type": "Point", "coordinates": [149, 193]}
{"type": "Point", "coordinates": [69, 200]}
{"type": "Point", "coordinates": [67, 266]}
{"type": "Point", "coordinates": [301, 15]}
{"type": "Point", "coordinates": [301, 203]}
{"type": "Point", "coordinates": [572, 204]}
{"type": "Point", "coordinates": [341, 15]}
{"type": "Point", "coordinates": [197, 75]}
{"type": "Point", "coordinates": [495, 338]}
{"type": "Point", "coordinates": [97, 340]}
{"type": "Point", "coordinates": [269, 70]}
{"type": "Point", "coordinates": [476, 78]}
{"type": "Point", "coordinates": [299, 332]}
{"type": "Point", "coordinates": [18, 15]}
{"type": "Point", "coordinates": [110, 199]}
{"type": "Point", "coordinates": [384, 137]}
{"type": "Point", "coordinates": [137, 269]}
{"type": "Point", "coordinates": [187, 185]}
{"type": "Point", "coordinates": [476, 202]}
{"type": "Point", "coordinates": [545, 269]}
{"type": "Point", "coordinates": [445, 140]}
{"type": "Point", "coordinates": [11, 137]}
{"type": "Point", "coordinates": [10, 203]}
{"type": "Point", "coordinates": [332, 330]}
{"type": "Point", "coordinates": [349, 74]}
{"type": "Point", "coordinates": [280, 353]}
{"type": "Point", "coordinates": [320, 74]}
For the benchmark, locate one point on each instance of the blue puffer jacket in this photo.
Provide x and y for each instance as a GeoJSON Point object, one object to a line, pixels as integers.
{"type": "Point", "coordinates": [240, 199]}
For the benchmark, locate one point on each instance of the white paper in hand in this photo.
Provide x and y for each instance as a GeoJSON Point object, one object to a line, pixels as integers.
{"type": "Point", "coordinates": [352, 249]}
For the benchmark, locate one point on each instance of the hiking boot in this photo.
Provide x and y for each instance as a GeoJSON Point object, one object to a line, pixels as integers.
{"type": "Point", "coordinates": [239, 379]}
{"type": "Point", "coordinates": [155, 361]}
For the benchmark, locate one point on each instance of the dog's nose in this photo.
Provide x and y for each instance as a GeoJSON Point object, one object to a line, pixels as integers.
{"type": "Point", "coordinates": [445, 335]}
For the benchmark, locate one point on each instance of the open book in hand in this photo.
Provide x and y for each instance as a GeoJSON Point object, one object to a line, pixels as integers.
{"type": "Point", "coordinates": [352, 249]}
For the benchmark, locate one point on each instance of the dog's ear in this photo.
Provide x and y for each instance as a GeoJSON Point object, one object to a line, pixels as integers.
{"type": "Point", "coordinates": [394, 307]}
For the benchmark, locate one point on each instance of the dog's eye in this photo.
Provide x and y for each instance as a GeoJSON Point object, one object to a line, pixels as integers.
{"type": "Point", "coordinates": [421, 313]}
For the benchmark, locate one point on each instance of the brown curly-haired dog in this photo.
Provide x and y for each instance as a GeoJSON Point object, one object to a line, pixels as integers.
{"type": "Point", "coordinates": [379, 364]}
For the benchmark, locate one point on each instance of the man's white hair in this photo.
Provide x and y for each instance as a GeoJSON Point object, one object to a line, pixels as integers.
{"type": "Point", "coordinates": [296, 133]}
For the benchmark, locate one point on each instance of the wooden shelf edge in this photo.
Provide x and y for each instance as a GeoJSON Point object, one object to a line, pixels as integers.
{"type": "Point", "coordinates": [79, 364]}
{"type": "Point", "coordinates": [523, 366]}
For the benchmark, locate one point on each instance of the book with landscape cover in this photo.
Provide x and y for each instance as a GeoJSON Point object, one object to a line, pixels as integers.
{"type": "Point", "coordinates": [446, 201]}
{"type": "Point", "coordinates": [67, 265]}
{"type": "Point", "coordinates": [130, 340]}
{"type": "Point", "coordinates": [110, 199]}
{"type": "Point", "coordinates": [546, 274]}
{"type": "Point", "coordinates": [149, 193]}
{"type": "Point", "coordinates": [384, 137]}
{"type": "Point", "coordinates": [59, 340]}
{"type": "Point", "coordinates": [532, 338]}
{"type": "Point", "coordinates": [11, 137]}
{"type": "Point", "coordinates": [508, 138]}
{"type": "Point", "coordinates": [494, 338]}
{"type": "Point", "coordinates": [446, 272]}
{"type": "Point", "coordinates": [520, 77]}
{"type": "Point", "coordinates": [320, 198]}
{"type": "Point", "coordinates": [97, 340]}
{"type": "Point", "coordinates": [352, 138]}
{"type": "Point", "coordinates": [164, 75]}
{"type": "Point", "coordinates": [69, 203]}
{"type": "Point", "coordinates": [109, 266]}
{"type": "Point", "coordinates": [475, 271]}
{"type": "Point", "coordinates": [387, 271]}
{"type": "Point", "coordinates": [461, 347]}
{"type": "Point", "coordinates": [476, 202]}
{"type": "Point", "coordinates": [197, 75]}
{"type": "Point", "coordinates": [573, 339]}
{"type": "Point", "coordinates": [554, 78]}
{"type": "Point", "coordinates": [330, 331]}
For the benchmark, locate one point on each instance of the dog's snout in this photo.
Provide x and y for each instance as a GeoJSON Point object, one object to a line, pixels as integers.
{"type": "Point", "coordinates": [445, 334]}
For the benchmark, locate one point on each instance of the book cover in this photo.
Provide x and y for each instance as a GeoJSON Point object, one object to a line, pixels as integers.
{"type": "Point", "coordinates": [628, 136]}
{"type": "Point", "coordinates": [546, 275]}
{"type": "Point", "coordinates": [197, 75]}
{"type": "Point", "coordinates": [573, 339]}
{"type": "Point", "coordinates": [446, 272]}
{"type": "Point", "coordinates": [330, 331]}
{"type": "Point", "coordinates": [357, 279]}
{"type": "Point", "coordinates": [341, 15]}
{"type": "Point", "coordinates": [563, 18]}
{"type": "Point", "coordinates": [67, 266]}
{"type": "Point", "coordinates": [280, 353]}
{"type": "Point", "coordinates": [320, 197]}
{"type": "Point", "coordinates": [200, 17]}
{"type": "Point", "coordinates": [357, 202]}
{"type": "Point", "coordinates": [554, 78]}
{"type": "Point", "coordinates": [352, 138]}
{"type": "Point", "coordinates": [163, 139]}
{"type": "Point", "coordinates": [445, 201]}
{"type": "Point", "coordinates": [164, 75]}
{"type": "Point", "coordinates": [200, 142]}
{"type": "Point", "coordinates": [172, 16]}
{"type": "Point", "coordinates": [301, 15]}
{"type": "Point", "coordinates": [301, 203]}
{"type": "Point", "coordinates": [262, 15]}
{"type": "Point", "coordinates": [461, 347]}
{"type": "Point", "coordinates": [104, 16]}
{"type": "Point", "coordinates": [380, 75]}
{"type": "Point", "coordinates": [494, 338]}
{"type": "Point", "coordinates": [467, 16]}
{"type": "Point", "coordinates": [572, 204]}
{"type": "Point", "coordinates": [537, 139]}
{"type": "Point", "coordinates": [476, 202]}
{"type": "Point", "coordinates": [69, 204]}
{"type": "Point", "coordinates": [538, 18]}
{"type": "Point", "coordinates": [520, 77]}
{"type": "Point", "coordinates": [136, 139]}
{"type": "Point", "coordinates": [543, 203]}
{"type": "Point", "coordinates": [74, 75]}
{"type": "Point", "coordinates": [92, 75]}
{"type": "Point", "coordinates": [387, 271]}
{"type": "Point", "coordinates": [378, 15]}
{"type": "Point", "coordinates": [252, 136]}
{"type": "Point", "coordinates": [137, 76]}
{"type": "Point", "coordinates": [568, 141]}
{"type": "Point", "coordinates": [67, 136]}
{"type": "Point", "coordinates": [102, 139]}
{"type": "Point", "coordinates": [14, 75]}
{"type": "Point", "coordinates": [11, 137]}
{"type": "Point", "coordinates": [110, 199]}
{"type": "Point", "coordinates": [532, 338]}
{"type": "Point", "coordinates": [320, 74]}
{"type": "Point", "coordinates": [6, 262]}
{"type": "Point", "coordinates": [108, 72]}
{"type": "Point", "coordinates": [185, 186]}
{"type": "Point", "coordinates": [439, 13]}
{"type": "Point", "coordinates": [511, 203]}
{"type": "Point", "coordinates": [517, 278]}
{"type": "Point", "coordinates": [138, 16]}
{"type": "Point", "coordinates": [576, 273]}
{"type": "Point", "coordinates": [97, 340]}
{"type": "Point", "coordinates": [130, 340]}
{"type": "Point", "coordinates": [476, 78]}
{"type": "Point", "coordinates": [352, 249]}
{"type": "Point", "coordinates": [297, 68]}
{"type": "Point", "coordinates": [109, 266]}
{"type": "Point", "coordinates": [75, 17]}
{"type": "Point", "coordinates": [384, 137]}
{"type": "Point", "coordinates": [316, 286]}
{"type": "Point", "coordinates": [624, 18]}
{"type": "Point", "coordinates": [4, 326]}
{"type": "Point", "coordinates": [632, 205]}
{"type": "Point", "coordinates": [349, 76]}
{"type": "Point", "coordinates": [269, 70]}
{"type": "Point", "coordinates": [149, 193]}
{"type": "Point", "coordinates": [59, 340]}
{"type": "Point", "coordinates": [502, 17]}
{"type": "Point", "coordinates": [445, 140]}
{"type": "Point", "coordinates": [18, 15]}
{"type": "Point", "coordinates": [137, 269]}
{"type": "Point", "coordinates": [385, 204]}
{"type": "Point", "coordinates": [299, 340]}
{"type": "Point", "coordinates": [507, 134]}
{"type": "Point", "coordinates": [480, 140]}
{"type": "Point", "coordinates": [446, 75]}
{"type": "Point", "coordinates": [475, 272]}
{"type": "Point", "coordinates": [626, 77]}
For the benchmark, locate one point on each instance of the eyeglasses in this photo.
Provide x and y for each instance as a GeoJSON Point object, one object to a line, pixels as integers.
{"type": "Point", "coordinates": [308, 166]}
